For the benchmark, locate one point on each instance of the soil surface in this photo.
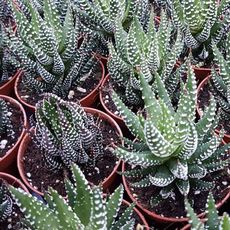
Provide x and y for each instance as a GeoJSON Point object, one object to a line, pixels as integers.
{"type": "Point", "coordinates": [80, 91]}
{"type": "Point", "coordinates": [175, 207]}
{"type": "Point", "coordinates": [203, 102]}
{"type": "Point", "coordinates": [14, 222]}
{"type": "Point", "coordinates": [16, 118]}
{"type": "Point", "coordinates": [42, 177]}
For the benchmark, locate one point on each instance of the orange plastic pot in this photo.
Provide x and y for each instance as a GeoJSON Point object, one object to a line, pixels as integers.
{"type": "Point", "coordinates": [8, 159]}
{"type": "Point", "coordinates": [11, 180]}
{"type": "Point", "coordinates": [156, 216]}
{"type": "Point", "coordinates": [8, 87]}
{"type": "Point", "coordinates": [200, 113]}
{"type": "Point", "coordinates": [87, 101]}
{"type": "Point", "coordinates": [107, 183]}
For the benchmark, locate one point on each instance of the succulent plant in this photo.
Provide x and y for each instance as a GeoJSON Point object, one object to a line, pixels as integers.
{"type": "Point", "coordinates": [202, 23]}
{"type": "Point", "coordinates": [220, 80]}
{"type": "Point", "coordinates": [84, 208]}
{"type": "Point", "coordinates": [65, 132]}
{"type": "Point", "coordinates": [6, 126]}
{"type": "Point", "coordinates": [6, 203]}
{"type": "Point", "coordinates": [8, 63]}
{"type": "Point", "coordinates": [213, 221]}
{"type": "Point", "coordinates": [171, 151]}
{"type": "Point", "coordinates": [153, 52]}
{"type": "Point", "coordinates": [102, 15]}
{"type": "Point", "coordinates": [47, 48]}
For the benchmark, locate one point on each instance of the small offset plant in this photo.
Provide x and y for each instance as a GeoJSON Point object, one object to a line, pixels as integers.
{"type": "Point", "coordinates": [202, 23]}
{"type": "Point", "coordinates": [6, 203]}
{"type": "Point", "coordinates": [6, 126]}
{"type": "Point", "coordinates": [212, 221]}
{"type": "Point", "coordinates": [153, 52]}
{"type": "Point", "coordinates": [84, 208]}
{"type": "Point", "coordinates": [171, 151]}
{"type": "Point", "coordinates": [47, 48]}
{"type": "Point", "coordinates": [65, 132]}
{"type": "Point", "coordinates": [220, 80]}
{"type": "Point", "coordinates": [102, 15]}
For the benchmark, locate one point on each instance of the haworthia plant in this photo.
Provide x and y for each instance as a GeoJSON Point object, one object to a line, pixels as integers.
{"type": "Point", "coordinates": [84, 209]}
{"type": "Point", "coordinates": [7, 60]}
{"type": "Point", "coordinates": [102, 15]}
{"type": "Point", "coordinates": [6, 203]}
{"type": "Point", "coordinates": [152, 52]}
{"type": "Point", "coordinates": [202, 23]}
{"type": "Point", "coordinates": [47, 48]}
{"type": "Point", "coordinates": [171, 151]}
{"type": "Point", "coordinates": [65, 132]}
{"type": "Point", "coordinates": [213, 221]}
{"type": "Point", "coordinates": [220, 80]}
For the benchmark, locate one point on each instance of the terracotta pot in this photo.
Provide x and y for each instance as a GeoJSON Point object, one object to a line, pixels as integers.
{"type": "Point", "coordinates": [156, 216]}
{"type": "Point", "coordinates": [8, 87]}
{"type": "Point", "coordinates": [200, 113]}
{"type": "Point", "coordinates": [8, 159]}
{"type": "Point", "coordinates": [11, 180]}
{"type": "Point", "coordinates": [107, 183]}
{"type": "Point", "coordinates": [87, 101]}
{"type": "Point", "coordinates": [142, 218]}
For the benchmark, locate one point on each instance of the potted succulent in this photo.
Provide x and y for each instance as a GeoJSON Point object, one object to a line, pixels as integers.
{"type": "Point", "coordinates": [213, 221]}
{"type": "Point", "coordinates": [202, 24]}
{"type": "Point", "coordinates": [10, 214]}
{"type": "Point", "coordinates": [171, 155]}
{"type": "Point", "coordinates": [83, 209]}
{"type": "Point", "coordinates": [51, 58]}
{"type": "Point", "coordinates": [218, 83]}
{"type": "Point", "coordinates": [152, 51]}
{"type": "Point", "coordinates": [13, 121]}
{"type": "Point", "coordinates": [65, 133]}
{"type": "Point", "coordinates": [8, 72]}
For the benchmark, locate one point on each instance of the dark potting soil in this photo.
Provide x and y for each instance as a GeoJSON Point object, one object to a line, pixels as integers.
{"type": "Point", "coordinates": [175, 207]}
{"type": "Point", "coordinates": [79, 92]}
{"type": "Point", "coordinates": [14, 222]}
{"type": "Point", "coordinates": [42, 177]}
{"type": "Point", "coordinates": [203, 102]}
{"type": "Point", "coordinates": [16, 118]}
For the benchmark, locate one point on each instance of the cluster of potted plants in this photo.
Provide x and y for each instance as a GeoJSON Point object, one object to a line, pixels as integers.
{"type": "Point", "coordinates": [101, 99]}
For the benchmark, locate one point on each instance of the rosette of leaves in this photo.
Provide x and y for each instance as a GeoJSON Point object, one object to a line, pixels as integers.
{"type": "Point", "coordinates": [65, 132]}
{"type": "Point", "coordinates": [202, 23]}
{"type": "Point", "coordinates": [47, 48]}
{"type": "Point", "coordinates": [220, 80]}
{"type": "Point", "coordinates": [6, 127]}
{"type": "Point", "coordinates": [212, 221]}
{"type": "Point", "coordinates": [102, 15]}
{"type": "Point", "coordinates": [153, 52]}
{"type": "Point", "coordinates": [84, 208]}
{"type": "Point", "coordinates": [171, 151]}
{"type": "Point", "coordinates": [6, 203]}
